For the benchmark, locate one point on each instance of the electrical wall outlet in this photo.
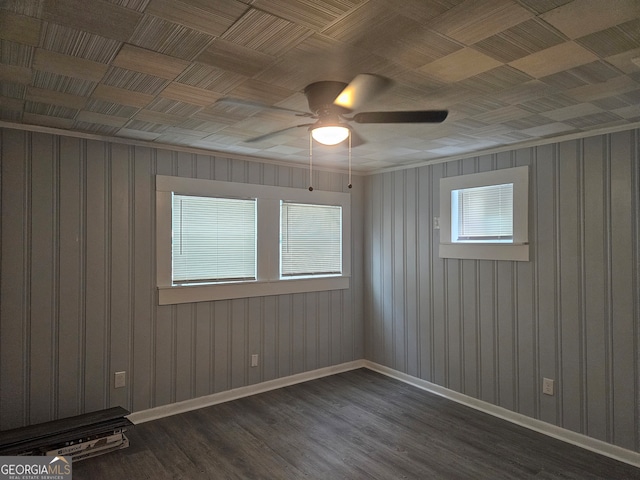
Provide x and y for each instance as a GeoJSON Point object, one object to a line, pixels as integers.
{"type": "Point", "coordinates": [254, 360]}
{"type": "Point", "coordinates": [119, 379]}
{"type": "Point", "coordinates": [436, 223]}
{"type": "Point", "coordinates": [547, 386]}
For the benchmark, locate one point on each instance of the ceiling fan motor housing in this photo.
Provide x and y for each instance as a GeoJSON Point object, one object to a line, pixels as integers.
{"type": "Point", "coordinates": [321, 95]}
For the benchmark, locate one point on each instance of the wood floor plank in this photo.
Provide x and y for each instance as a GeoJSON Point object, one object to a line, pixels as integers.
{"type": "Point", "coordinates": [354, 425]}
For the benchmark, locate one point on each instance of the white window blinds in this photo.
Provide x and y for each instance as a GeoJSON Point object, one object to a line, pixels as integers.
{"type": "Point", "coordinates": [214, 239]}
{"type": "Point", "coordinates": [484, 213]}
{"type": "Point", "coordinates": [311, 239]}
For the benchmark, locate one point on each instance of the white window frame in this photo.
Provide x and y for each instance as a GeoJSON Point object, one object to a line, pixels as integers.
{"type": "Point", "coordinates": [518, 249]}
{"type": "Point", "coordinates": [268, 281]}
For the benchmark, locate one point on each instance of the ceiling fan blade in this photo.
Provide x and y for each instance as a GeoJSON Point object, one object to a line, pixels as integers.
{"type": "Point", "coordinates": [249, 103]}
{"type": "Point", "coordinates": [277, 132]}
{"type": "Point", "coordinates": [362, 88]}
{"type": "Point", "coordinates": [416, 116]}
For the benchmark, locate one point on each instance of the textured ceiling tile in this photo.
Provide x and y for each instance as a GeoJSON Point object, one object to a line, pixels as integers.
{"type": "Point", "coordinates": [144, 126]}
{"type": "Point", "coordinates": [62, 83]}
{"type": "Point", "coordinates": [77, 43]}
{"type": "Point", "coordinates": [19, 28]}
{"type": "Point", "coordinates": [134, 81]}
{"type": "Point", "coordinates": [137, 134]}
{"type": "Point", "coordinates": [95, 128]}
{"type": "Point", "coordinates": [501, 115]}
{"type": "Point", "coordinates": [17, 54]}
{"type": "Point", "coordinates": [193, 95]}
{"type": "Point", "coordinates": [13, 90]}
{"type": "Point", "coordinates": [213, 18]}
{"type": "Point", "coordinates": [158, 118]}
{"type": "Point", "coordinates": [541, 6]}
{"type": "Point", "coordinates": [121, 96]}
{"type": "Point", "coordinates": [594, 120]}
{"type": "Point", "coordinates": [614, 40]}
{"type": "Point", "coordinates": [628, 61]}
{"type": "Point", "coordinates": [519, 41]}
{"type": "Point", "coordinates": [53, 62]}
{"type": "Point", "coordinates": [13, 104]}
{"type": "Point", "coordinates": [548, 130]}
{"type": "Point", "coordinates": [110, 108]}
{"type": "Point", "coordinates": [30, 8]}
{"type": "Point", "coordinates": [497, 79]}
{"type": "Point", "coordinates": [360, 22]}
{"type": "Point", "coordinates": [235, 58]}
{"type": "Point", "coordinates": [210, 78]}
{"type": "Point", "coordinates": [95, 16]}
{"type": "Point", "coordinates": [149, 62]}
{"type": "Point", "coordinates": [55, 98]}
{"type": "Point", "coordinates": [459, 65]}
{"type": "Point", "coordinates": [40, 108]}
{"type": "Point", "coordinates": [313, 14]}
{"type": "Point", "coordinates": [169, 38]}
{"type": "Point", "coordinates": [566, 113]}
{"type": "Point", "coordinates": [424, 10]}
{"type": "Point", "coordinates": [544, 104]}
{"type": "Point", "coordinates": [173, 107]}
{"type": "Point", "coordinates": [475, 20]}
{"type": "Point", "coordinates": [595, 91]}
{"type": "Point", "coordinates": [137, 5]}
{"type": "Point", "coordinates": [11, 73]}
{"type": "Point", "coordinates": [580, 18]}
{"type": "Point", "coordinates": [555, 59]}
{"type": "Point", "coordinates": [93, 117]}
{"type": "Point", "coordinates": [256, 90]}
{"type": "Point", "coordinates": [266, 33]}
{"type": "Point", "coordinates": [55, 122]}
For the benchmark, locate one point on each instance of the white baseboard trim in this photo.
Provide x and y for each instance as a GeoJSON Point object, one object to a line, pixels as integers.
{"type": "Point", "coordinates": [578, 439]}
{"type": "Point", "coordinates": [236, 393]}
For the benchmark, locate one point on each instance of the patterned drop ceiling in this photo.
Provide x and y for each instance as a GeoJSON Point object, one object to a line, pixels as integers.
{"type": "Point", "coordinates": [508, 71]}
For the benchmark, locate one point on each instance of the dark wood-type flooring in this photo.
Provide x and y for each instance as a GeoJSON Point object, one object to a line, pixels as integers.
{"type": "Point", "coordinates": [354, 425]}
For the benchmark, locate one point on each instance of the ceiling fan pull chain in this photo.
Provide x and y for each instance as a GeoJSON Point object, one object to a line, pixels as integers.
{"type": "Point", "coordinates": [350, 185]}
{"type": "Point", "coordinates": [310, 162]}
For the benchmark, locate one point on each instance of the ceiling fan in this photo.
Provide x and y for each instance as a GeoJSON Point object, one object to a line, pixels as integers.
{"type": "Point", "coordinates": [331, 103]}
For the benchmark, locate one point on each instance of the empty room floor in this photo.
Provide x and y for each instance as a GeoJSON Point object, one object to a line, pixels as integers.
{"type": "Point", "coordinates": [354, 425]}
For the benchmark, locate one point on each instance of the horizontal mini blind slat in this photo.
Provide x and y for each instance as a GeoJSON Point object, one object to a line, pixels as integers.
{"type": "Point", "coordinates": [485, 212]}
{"type": "Point", "coordinates": [311, 239]}
{"type": "Point", "coordinates": [214, 239]}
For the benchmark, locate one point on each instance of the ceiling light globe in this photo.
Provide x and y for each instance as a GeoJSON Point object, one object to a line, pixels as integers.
{"type": "Point", "coordinates": [330, 135]}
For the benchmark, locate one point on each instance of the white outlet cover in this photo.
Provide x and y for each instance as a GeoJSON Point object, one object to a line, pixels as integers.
{"type": "Point", "coordinates": [119, 379]}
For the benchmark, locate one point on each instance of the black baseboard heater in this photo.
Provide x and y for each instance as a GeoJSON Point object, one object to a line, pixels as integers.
{"type": "Point", "coordinates": [79, 437]}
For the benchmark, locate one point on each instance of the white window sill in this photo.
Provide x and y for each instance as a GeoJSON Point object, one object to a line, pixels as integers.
{"type": "Point", "coordinates": [170, 295]}
{"type": "Point", "coordinates": [486, 251]}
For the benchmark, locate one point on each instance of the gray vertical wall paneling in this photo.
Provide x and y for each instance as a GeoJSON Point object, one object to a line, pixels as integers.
{"type": "Point", "coordinates": [624, 297]}
{"type": "Point", "coordinates": [120, 268]}
{"type": "Point", "coordinates": [411, 300]}
{"type": "Point", "coordinates": [284, 336]}
{"type": "Point", "coordinates": [545, 292]}
{"type": "Point", "coordinates": [570, 314]}
{"type": "Point", "coordinates": [570, 384]}
{"type": "Point", "coordinates": [595, 287]}
{"type": "Point", "coordinates": [15, 265]}
{"type": "Point", "coordinates": [399, 269]}
{"type": "Point", "coordinates": [425, 241]}
{"type": "Point", "coordinates": [221, 345]}
{"type": "Point", "coordinates": [527, 375]}
{"type": "Point", "coordinates": [69, 279]}
{"type": "Point", "coordinates": [298, 337]}
{"type": "Point", "coordinates": [140, 382]}
{"type": "Point", "coordinates": [43, 264]}
{"type": "Point", "coordinates": [95, 318]}
{"type": "Point", "coordinates": [269, 339]}
{"type": "Point", "coordinates": [438, 312]}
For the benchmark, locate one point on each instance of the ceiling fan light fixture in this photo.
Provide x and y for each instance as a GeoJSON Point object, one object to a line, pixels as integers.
{"type": "Point", "coordinates": [330, 134]}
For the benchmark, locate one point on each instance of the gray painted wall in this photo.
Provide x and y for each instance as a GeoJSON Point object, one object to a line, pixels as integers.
{"type": "Point", "coordinates": [494, 329]}
{"type": "Point", "coordinates": [78, 286]}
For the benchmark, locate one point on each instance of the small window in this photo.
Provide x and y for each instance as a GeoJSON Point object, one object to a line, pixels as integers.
{"type": "Point", "coordinates": [213, 239]}
{"type": "Point", "coordinates": [485, 215]}
{"type": "Point", "coordinates": [311, 240]}
{"type": "Point", "coordinates": [482, 214]}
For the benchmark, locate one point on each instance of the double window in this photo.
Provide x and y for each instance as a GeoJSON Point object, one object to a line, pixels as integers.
{"type": "Point", "coordinates": [220, 240]}
{"type": "Point", "coordinates": [485, 215]}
